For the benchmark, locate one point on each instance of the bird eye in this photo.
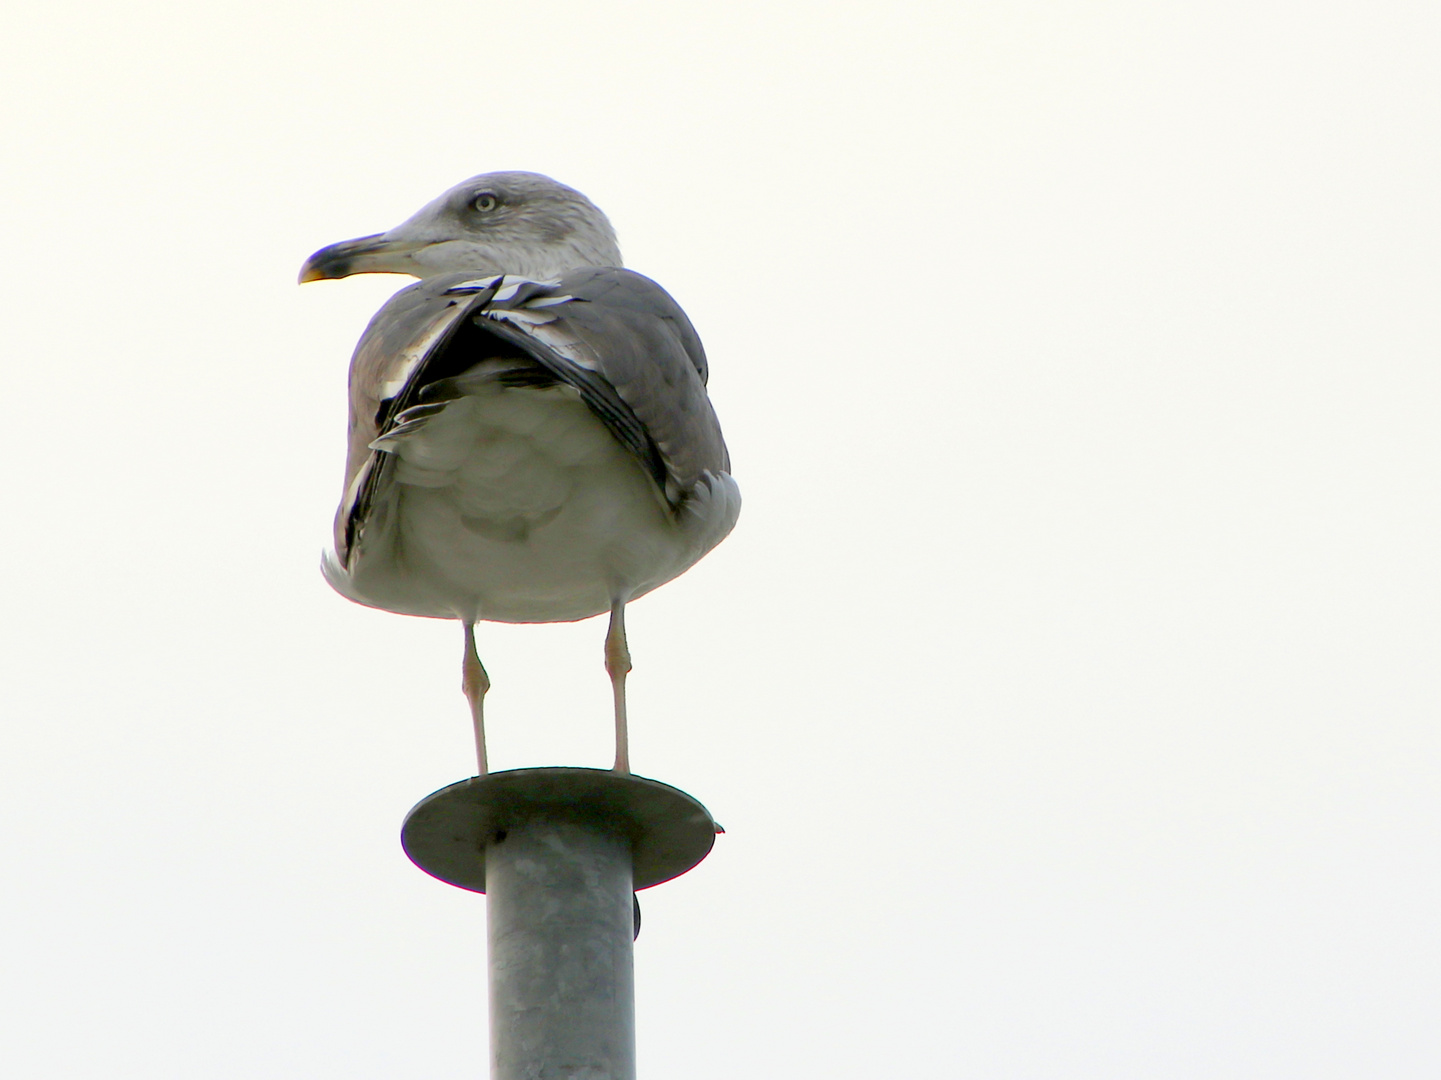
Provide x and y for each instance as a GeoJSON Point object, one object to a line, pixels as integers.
{"type": "Point", "coordinates": [485, 202]}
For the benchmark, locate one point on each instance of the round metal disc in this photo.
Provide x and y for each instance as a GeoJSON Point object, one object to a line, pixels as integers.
{"type": "Point", "coordinates": [446, 833]}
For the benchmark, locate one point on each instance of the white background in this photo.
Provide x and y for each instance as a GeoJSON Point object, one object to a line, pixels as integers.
{"type": "Point", "coordinates": [1067, 689]}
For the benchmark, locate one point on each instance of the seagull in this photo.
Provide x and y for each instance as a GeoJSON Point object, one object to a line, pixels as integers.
{"type": "Point", "coordinates": [531, 439]}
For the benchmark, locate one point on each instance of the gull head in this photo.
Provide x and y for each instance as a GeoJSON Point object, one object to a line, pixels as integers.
{"type": "Point", "coordinates": [500, 223]}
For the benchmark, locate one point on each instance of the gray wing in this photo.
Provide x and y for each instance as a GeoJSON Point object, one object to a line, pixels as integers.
{"type": "Point", "coordinates": [648, 350]}
{"type": "Point", "coordinates": [627, 346]}
{"type": "Point", "coordinates": [615, 336]}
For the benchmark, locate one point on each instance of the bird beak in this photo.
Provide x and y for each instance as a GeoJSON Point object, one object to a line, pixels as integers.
{"type": "Point", "coordinates": [367, 255]}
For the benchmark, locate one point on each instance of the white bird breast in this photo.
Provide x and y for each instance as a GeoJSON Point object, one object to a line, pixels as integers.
{"type": "Point", "coordinates": [518, 505]}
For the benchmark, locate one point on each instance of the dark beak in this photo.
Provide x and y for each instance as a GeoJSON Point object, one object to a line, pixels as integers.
{"type": "Point", "coordinates": [367, 255]}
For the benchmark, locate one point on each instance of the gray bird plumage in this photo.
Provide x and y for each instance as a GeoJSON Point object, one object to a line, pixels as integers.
{"type": "Point", "coordinates": [531, 438]}
{"type": "Point", "coordinates": [615, 337]}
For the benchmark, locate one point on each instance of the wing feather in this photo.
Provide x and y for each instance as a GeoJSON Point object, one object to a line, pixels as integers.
{"type": "Point", "coordinates": [615, 336]}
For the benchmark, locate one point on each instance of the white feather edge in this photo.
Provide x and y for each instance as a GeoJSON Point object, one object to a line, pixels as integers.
{"type": "Point", "coordinates": [410, 357]}
{"type": "Point", "coordinates": [542, 329]}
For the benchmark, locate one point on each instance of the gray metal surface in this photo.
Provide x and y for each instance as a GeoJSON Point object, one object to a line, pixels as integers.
{"type": "Point", "coordinates": [448, 833]}
{"type": "Point", "coordinates": [559, 853]}
{"type": "Point", "coordinates": [562, 993]}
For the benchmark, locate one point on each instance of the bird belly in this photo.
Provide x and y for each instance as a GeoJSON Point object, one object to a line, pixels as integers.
{"type": "Point", "coordinates": [514, 505]}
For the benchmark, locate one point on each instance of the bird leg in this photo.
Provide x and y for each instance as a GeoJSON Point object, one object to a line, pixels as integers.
{"type": "Point", "coordinates": [474, 682]}
{"type": "Point", "coordinates": [617, 664]}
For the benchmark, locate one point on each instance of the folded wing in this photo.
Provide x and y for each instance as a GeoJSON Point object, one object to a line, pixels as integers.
{"type": "Point", "coordinates": [613, 336]}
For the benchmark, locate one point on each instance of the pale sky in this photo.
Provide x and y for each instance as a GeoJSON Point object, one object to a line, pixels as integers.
{"type": "Point", "coordinates": [1068, 688]}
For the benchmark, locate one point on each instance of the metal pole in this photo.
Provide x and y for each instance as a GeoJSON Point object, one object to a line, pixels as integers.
{"type": "Point", "coordinates": [559, 853]}
{"type": "Point", "coordinates": [562, 987]}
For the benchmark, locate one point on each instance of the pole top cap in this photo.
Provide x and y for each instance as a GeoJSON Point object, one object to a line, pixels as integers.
{"type": "Point", "coordinates": [446, 833]}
